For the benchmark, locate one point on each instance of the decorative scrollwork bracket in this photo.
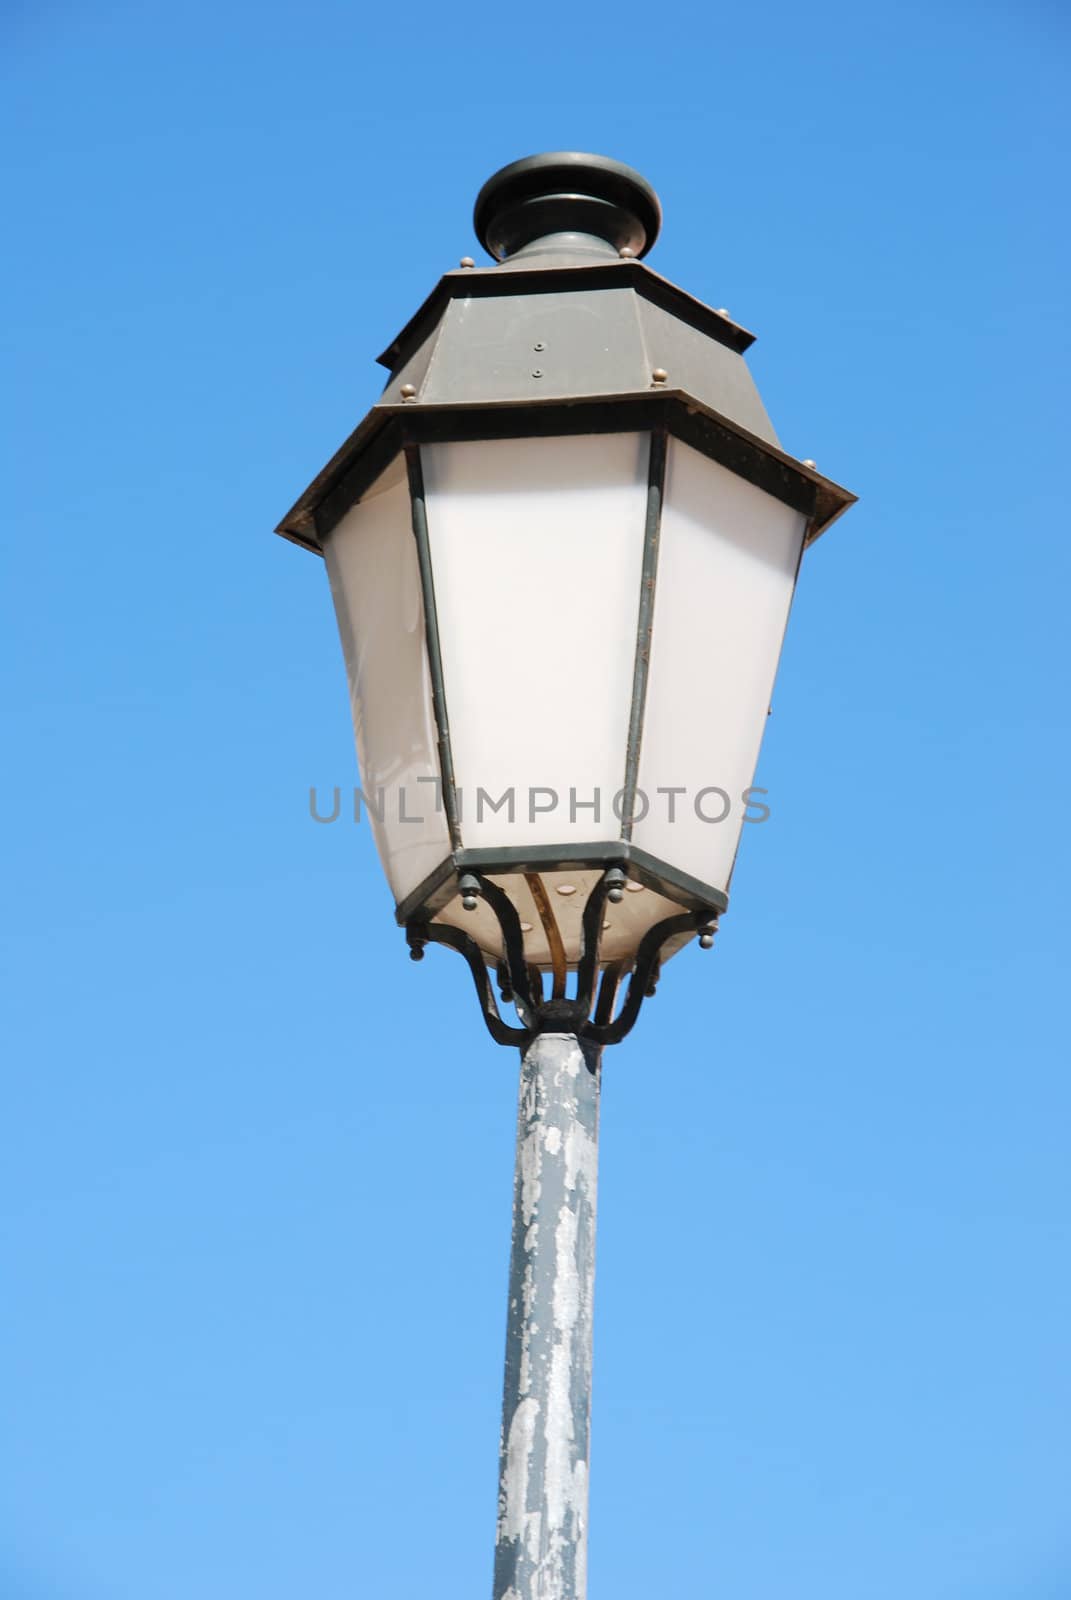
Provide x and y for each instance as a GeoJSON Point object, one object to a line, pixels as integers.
{"type": "Point", "coordinates": [593, 1012]}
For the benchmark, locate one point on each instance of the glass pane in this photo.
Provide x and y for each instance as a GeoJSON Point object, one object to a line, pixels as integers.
{"type": "Point", "coordinates": [537, 547]}
{"type": "Point", "coordinates": [726, 570]}
{"type": "Point", "coordinates": [372, 564]}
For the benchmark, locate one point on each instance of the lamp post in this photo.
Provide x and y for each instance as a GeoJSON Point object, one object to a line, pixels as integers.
{"type": "Point", "coordinates": [562, 548]}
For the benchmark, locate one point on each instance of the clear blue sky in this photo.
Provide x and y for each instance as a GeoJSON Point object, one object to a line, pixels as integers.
{"type": "Point", "coordinates": [256, 1164]}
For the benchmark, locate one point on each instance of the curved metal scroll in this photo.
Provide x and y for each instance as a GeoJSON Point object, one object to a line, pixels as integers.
{"type": "Point", "coordinates": [518, 984]}
{"type": "Point", "coordinates": [644, 975]}
{"type": "Point", "coordinates": [421, 933]}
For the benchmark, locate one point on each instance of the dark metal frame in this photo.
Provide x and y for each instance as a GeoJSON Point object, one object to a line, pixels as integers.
{"type": "Point", "coordinates": [388, 428]}
{"type": "Point", "coordinates": [592, 1013]}
{"type": "Point", "coordinates": [418, 500]}
{"type": "Point", "coordinates": [656, 484]}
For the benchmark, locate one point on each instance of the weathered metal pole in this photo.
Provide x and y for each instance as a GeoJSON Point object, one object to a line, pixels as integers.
{"type": "Point", "coordinates": [541, 1550]}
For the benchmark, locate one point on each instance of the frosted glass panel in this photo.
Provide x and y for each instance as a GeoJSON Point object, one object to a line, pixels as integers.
{"type": "Point", "coordinates": [537, 547]}
{"type": "Point", "coordinates": [726, 570]}
{"type": "Point", "coordinates": [372, 564]}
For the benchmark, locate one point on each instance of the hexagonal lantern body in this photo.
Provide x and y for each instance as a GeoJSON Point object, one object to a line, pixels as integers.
{"type": "Point", "coordinates": [562, 549]}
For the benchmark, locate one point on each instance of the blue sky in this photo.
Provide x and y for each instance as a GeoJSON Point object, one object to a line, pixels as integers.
{"type": "Point", "coordinates": [257, 1165]}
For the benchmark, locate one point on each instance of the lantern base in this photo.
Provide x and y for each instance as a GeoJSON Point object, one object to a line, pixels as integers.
{"type": "Point", "coordinates": [592, 1013]}
{"type": "Point", "coordinates": [441, 885]}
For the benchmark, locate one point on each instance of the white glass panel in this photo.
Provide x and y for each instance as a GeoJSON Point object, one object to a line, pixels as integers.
{"type": "Point", "coordinates": [372, 564]}
{"type": "Point", "coordinates": [726, 570]}
{"type": "Point", "coordinates": [537, 547]}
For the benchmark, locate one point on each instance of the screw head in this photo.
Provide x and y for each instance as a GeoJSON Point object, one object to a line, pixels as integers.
{"type": "Point", "coordinates": [615, 886]}
{"type": "Point", "coordinates": [659, 375]}
{"type": "Point", "coordinates": [627, 253]}
{"type": "Point", "coordinates": [812, 464]}
{"type": "Point", "coordinates": [466, 261]}
{"type": "Point", "coordinates": [408, 391]}
{"type": "Point", "coordinates": [539, 346]}
{"type": "Point", "coordinates": [723, 313]}
{"type": "Point", "coordinates": [537, 372]}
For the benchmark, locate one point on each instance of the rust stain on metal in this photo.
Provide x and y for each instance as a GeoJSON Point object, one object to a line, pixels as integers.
{"type": "Point", "coordinates": [538, 891]}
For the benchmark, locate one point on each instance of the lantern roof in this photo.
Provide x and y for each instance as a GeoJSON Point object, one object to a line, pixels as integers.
{"type": "Point", "coordinates": [570, 332]}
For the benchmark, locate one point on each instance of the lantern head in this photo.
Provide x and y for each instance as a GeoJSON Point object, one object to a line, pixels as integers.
{"type": "Point", "coordinates": [562, 548]}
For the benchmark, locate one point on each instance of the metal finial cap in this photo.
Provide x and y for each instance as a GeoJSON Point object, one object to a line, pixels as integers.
{"type": "Point", "coordinates": [566, 191]}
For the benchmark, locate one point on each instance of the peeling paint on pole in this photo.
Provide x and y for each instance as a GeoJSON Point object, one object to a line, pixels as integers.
{"type": "Point", "coordinates": [541, 1552]}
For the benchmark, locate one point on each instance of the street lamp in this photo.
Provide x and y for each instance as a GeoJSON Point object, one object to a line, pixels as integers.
{"type": "Point", "coordinates": [562, 548]}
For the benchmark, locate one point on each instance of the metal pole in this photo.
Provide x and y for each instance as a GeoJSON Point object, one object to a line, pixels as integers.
{"type": "Point", "coordinates": [541, 1549]}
